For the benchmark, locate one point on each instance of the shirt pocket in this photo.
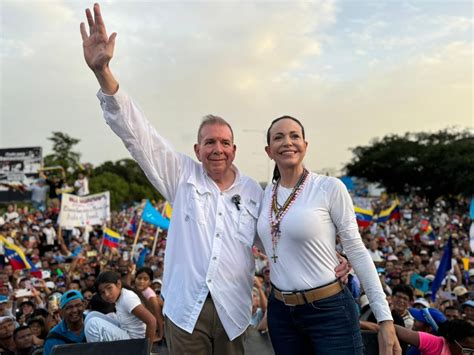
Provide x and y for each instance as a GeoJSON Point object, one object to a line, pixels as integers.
{"type": "Point", "coordinates": [197, 207]}
{"type": "Point", "coordinates": [247, 223]}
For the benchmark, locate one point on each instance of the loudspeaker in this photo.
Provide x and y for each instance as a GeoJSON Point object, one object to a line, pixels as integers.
{"type": "Point", "coordinates": [119, 347]}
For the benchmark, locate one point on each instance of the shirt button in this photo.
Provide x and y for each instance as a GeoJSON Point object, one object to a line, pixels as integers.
{"type": "Point", "coordinates": [199, 302]}
{"type": "Point", "coordinates": [218, 235]}
{"type": "Point", "coordinates": [220, 213]}
{"type": "Point", "coordinates": [214, 258]}
{"type": "Point", "coordinates": [209, 281]}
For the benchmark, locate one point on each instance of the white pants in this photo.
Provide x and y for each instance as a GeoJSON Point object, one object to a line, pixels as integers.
{"type": "Point", "coordinates": [99, 327]}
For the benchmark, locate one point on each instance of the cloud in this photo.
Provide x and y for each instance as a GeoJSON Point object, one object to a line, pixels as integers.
{"type": "Point", "coordinates": [349, 78]}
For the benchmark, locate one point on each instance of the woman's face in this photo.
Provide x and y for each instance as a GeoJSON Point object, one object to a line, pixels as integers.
{"type": "Point", "coordinates": [287, 145]}
{"type": "Point", "coordinates": [142, 281]}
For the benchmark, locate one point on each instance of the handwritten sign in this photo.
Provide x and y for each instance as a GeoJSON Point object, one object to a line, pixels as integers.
{"type": "Point", "coordinates": [81, 211]}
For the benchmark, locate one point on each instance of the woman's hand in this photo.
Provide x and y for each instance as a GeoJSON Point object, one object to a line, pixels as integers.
{"type": "Point", "coordinates": [342, 270]}
{"type": "Point", "coordinates": [388, 341]}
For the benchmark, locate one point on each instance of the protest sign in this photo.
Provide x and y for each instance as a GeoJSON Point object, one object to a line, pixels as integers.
{"type": "Point", "coordinates": [81, 211]}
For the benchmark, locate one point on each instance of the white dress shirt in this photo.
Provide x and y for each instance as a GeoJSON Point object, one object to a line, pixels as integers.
{"type": "Point", "coordinates": [209, 244]}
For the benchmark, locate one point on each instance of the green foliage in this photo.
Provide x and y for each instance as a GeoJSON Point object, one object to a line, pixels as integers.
{"type": "Point", "coordinates": [432, 164]}
{"type": "Point", "coordinates": [107, 181]}
{"type": "Point", "coordinates": [129, 172]}
{"type": "Point", "coordinates": [63, 154]}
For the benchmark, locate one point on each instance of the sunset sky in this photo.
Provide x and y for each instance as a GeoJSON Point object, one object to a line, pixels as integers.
{"type": "Point", "coordinates": [351, 71]}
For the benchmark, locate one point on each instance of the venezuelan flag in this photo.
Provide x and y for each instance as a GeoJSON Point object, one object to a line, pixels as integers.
{"type": "Point", "coordinates": [364, 217]}
{"type": "Point", "coordinates": [111, 238]}
{"type": "Point", "coordinates": [17, 258]}
{"type": "Point", "coordinates": [393, 212]}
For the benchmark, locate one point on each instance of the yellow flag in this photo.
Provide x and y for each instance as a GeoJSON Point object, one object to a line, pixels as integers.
{"type": "Point", "coordinates": [168, 210]}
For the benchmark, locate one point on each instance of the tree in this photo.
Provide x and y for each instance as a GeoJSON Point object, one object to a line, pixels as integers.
{"type": "Point", "coordinates": [138, 186]}
{"type": "Point", "coordinates": [63, 154]}
{"type": "Point", "coordinates": [115, 184]}
{"type": "Point", "coordinates": [431, 164]}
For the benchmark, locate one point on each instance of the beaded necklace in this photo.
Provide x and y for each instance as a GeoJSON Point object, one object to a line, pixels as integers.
{"type": "Point", "coordinates": [277, 212]}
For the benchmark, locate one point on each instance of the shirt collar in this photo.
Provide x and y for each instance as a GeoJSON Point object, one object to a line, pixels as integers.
{"type": "Point", "coordinates": [202, 180]}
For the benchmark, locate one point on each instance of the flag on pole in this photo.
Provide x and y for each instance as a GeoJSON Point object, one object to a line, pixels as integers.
{"type": "Point", "coordinates": [443, 268]}
{"type": "Point", "coordinates": [393, 212]}
{"type": "Point", "coordinates": [152, 216]}
{"type": "Point", "coordinates": [111, 238]}
{"type": "Point", "coordinates": [17, 259]}
{"type": "Point", "coordinates": [364, 217]}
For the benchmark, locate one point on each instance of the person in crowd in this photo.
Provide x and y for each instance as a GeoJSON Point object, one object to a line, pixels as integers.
{"type": "Point", "coordinates": [38, 329]}
{"type": "Point", "coordinates": [301, 214]}
{"type": "Point", "coordinates": [208, 258]}
{"type": "Point", "coordinates": [427, 320]}
{"type": "Point", "coordinates": [133, 320]}
{"type": "Point", "coordinates": [462, 294]}
{"type": "Point", "coordinates": [259, 306]}
{"type": "Point", "coordinates": [24, 340]}
{"type": "Point", "coordinates": [452, 312]}
{"type": "Point", "coordinates": [468, 310]}
{"type": "Point", "coordinates": [71, 328]}
{"type": "Point", "coordinates": [455, 337]}
{"type": "Point", "coordinates": [81, 185]}
{"type": "Point", "coordinates": [402, 297]}
{"type": "Point", "coordinates": [39, 192]}
{"type": "Point", "coordinates": [7, 343]}
{"type": "Point", "coordinates": [143, 279]}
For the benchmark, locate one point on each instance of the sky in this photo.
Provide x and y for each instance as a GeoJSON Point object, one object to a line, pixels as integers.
{"type": "Point", "coordinates": [351, 71]}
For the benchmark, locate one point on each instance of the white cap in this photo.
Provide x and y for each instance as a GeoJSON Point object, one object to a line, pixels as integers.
{"type": "Point", "coordinates": [4, 318]}
{"type": "Point", "coordinates": [422, 301]}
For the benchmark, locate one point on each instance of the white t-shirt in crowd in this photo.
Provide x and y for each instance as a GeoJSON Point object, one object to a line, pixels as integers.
{"type": "Point", "coordinates": [124, 306]}
{"type": "Point", "coordinates": [50, 234]}
{"type": "Point", "coordinates": [82, 186]}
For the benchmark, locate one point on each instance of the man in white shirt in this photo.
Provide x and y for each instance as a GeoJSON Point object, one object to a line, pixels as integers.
{"type": "Point", "coordinates": [215, 209]}
{"type": "Point", "coordinates": [81, 185]}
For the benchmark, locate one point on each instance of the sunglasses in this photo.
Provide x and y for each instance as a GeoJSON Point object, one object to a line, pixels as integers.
{"type": "Point", "coordinates": [464, 350]}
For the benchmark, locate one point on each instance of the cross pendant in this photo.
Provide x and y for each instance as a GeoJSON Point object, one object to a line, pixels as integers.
{"type": "Point", "coordinates": [274, 257]}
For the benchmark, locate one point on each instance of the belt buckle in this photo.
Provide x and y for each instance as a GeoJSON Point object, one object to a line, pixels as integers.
{"type": "Point", "coordinates": [287, 293]}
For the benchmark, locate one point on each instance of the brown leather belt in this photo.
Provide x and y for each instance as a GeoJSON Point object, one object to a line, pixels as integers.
{"type": "Point", "coordinates": [297, 298]}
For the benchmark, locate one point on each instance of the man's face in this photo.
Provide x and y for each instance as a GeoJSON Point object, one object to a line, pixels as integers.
{"type": "Point", "coordinates": [216, 150]}
{"type": "Point", "coordinates": [452, 314]}
{"type": "Point", "coordinates": [469, 312]}
{"type": "Point", "coordinates": [24, 339]}
{"type": "Point", "coordinates": [401, 302]}
{"type": "Point", "coordinates": [6, 329]}
{"type": "Point", "coordinates": [72, 312]}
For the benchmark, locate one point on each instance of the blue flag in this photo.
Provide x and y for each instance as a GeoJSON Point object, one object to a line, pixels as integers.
{"type": "Point", "coordinates": [152, 216]}
{"type": "Point", "coordinates": [142, 257]}
{"type": "Point", "coordinates": [443, 268]}
{"type": "Point", "coordinates": [471, 209]}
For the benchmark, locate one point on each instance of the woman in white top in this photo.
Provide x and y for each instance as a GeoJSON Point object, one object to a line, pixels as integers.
{"type": "Point", "coordinates": [302, 212]}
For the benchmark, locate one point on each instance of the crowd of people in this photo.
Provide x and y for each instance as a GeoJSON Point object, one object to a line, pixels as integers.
{"type": "Point", "coordinates": [217, 283]}
{"type": "Point", "coordinates": [36, 306]}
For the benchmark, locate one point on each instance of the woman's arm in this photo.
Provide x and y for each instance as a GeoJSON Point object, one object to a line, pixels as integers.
{"type": "Point", "coordinates": [146, 317]}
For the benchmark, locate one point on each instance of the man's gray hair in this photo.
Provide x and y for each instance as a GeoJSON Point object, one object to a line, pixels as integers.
{"type": "Point", "coordinates": [211, 120]}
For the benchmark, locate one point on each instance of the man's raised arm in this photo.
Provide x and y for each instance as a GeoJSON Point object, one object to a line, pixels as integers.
{"type": "Point", "coordinates": [99, 49]}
